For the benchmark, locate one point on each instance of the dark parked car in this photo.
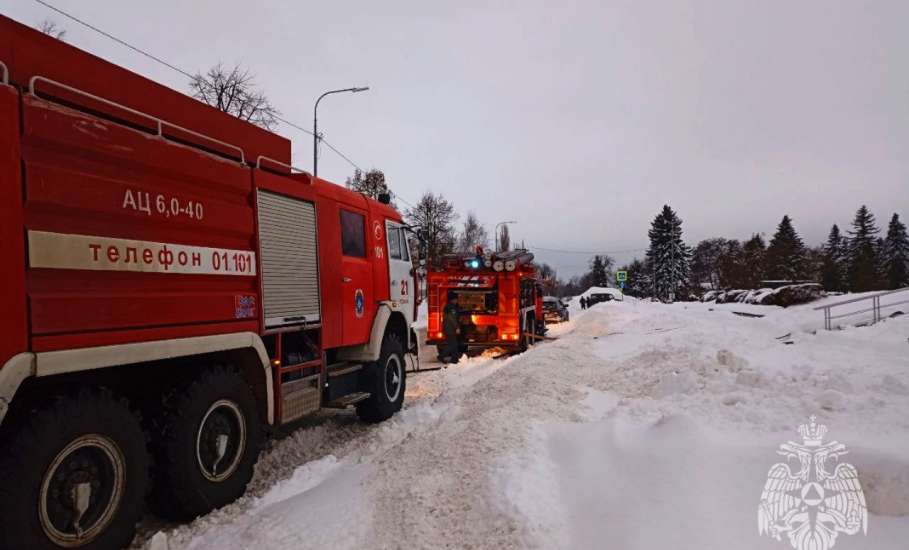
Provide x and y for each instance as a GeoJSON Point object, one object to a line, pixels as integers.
{"type": "Point", "coordinates": [600, 297]}
{"type": "Point", "coordinates": [554, 311]}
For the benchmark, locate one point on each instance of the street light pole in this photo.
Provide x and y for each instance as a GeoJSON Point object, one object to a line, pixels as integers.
{"type": "Point", "coordinates": [315, 125]}
{"type": "Point", "coordinates": [496, 232]}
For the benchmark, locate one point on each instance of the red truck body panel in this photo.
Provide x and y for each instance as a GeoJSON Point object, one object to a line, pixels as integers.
{"type": "Point", "coordinates": [13, 321]}
{"type": "Point", "coordinates": [86, 176]}
{"type": "Point", "coordinates": [112, 233]}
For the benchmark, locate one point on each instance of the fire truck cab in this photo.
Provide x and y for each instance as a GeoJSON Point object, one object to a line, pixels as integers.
{"type": "Point", "coordinates": [172, 289]}
{"type": "Point", "coordinates": [499, 297]}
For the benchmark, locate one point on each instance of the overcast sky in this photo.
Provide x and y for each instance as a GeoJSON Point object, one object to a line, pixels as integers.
{"type": "Point", "coordinates": [577, 119]}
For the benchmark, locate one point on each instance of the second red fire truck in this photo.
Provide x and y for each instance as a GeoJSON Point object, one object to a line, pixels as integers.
{"type": "Point", "coordinates": [499, 297]}
{"type": "Point", "coordinates": [171, 289]}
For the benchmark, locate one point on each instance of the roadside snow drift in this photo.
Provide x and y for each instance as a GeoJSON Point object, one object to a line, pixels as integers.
{"type": "Point", "coordinates": [642, 426]}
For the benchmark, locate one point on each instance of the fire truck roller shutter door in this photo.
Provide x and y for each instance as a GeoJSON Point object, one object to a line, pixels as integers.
{"type": "Point", "coordinates": [289, 256]}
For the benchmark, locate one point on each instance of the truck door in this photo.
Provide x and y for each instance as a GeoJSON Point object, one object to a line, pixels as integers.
{"type": "Point", "coordinates": [357, 301]}
{"type": "Point", "coordinates": [400, 268]}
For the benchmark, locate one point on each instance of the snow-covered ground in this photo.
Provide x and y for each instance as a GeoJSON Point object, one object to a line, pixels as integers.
{"type": "Point", "coordinates": [641, 426]}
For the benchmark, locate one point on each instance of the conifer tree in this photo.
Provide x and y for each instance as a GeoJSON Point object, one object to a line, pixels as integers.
{"type": "Point", "coordinates": [753, 252]}
{"type": "Point", "coordinates": [896, 254]}
{"type": "Point", "coordinates": [786, 257]}
{"type": "Point", "coordinates": [600, 266]}
{"type": "Point", "coordinates": [637, 283]}
{"type": "Point", "coordinates": [863, 271]}
{"type": "Point", "coordinates": [667, 256]}
{"type": "Point", "coordinates": [833, 269]}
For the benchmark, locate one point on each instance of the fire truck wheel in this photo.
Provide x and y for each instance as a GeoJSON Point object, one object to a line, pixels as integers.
{"type": "Point", "coordinates": [385, 380]}
{"type": "Point", "coordinates": [205, 445]}
{"type": "Point", "coordinates": [74, 475]}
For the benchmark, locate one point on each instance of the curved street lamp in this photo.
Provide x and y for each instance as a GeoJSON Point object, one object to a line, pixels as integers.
{"type": "Point", "coordinates": [315, 125]}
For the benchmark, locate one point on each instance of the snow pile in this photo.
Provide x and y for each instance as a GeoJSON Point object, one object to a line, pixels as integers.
{"type": "Point", "coordinates": [704, 399]}
{"type": "Point", "coordinates": [642, 426]}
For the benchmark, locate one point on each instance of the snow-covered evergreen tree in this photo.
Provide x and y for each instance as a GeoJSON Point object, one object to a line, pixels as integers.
{"type": "Point", "coordinates": [786, 258]}
{"type": "Point", "coordinates": [896, 254]}
{"type": "Point", "coordinates": [833, 269]}
{"type": "Point", "coordinates": [637, 284]}
{"type": "Point", "coordinates": [667, 256]}
{"type": "Point", "coordinates": [863, 270]}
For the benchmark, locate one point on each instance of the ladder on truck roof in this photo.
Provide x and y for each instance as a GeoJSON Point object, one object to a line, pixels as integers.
{"type": "Point", "coordinates": [161, 125]}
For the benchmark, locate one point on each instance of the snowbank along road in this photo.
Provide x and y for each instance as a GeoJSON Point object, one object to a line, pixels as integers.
{"type": "Point", "coordinates": [642, 426]}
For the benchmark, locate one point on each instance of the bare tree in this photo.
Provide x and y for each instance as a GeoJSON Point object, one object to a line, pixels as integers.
{"type": "Point", "coordinates": [233, 91]}
{"type": "Point", "coordinates": [504, 244]}
{"type": "Point", "coordinates": [549, 278]}
{"type": "Point", "coordinates": [372, 183]}
{"type": "Point", "coordinates": [473, 235]}
{"type": "Point", "coordinates": [50, 28]}
{"type": "Point", "coordinates": [435, 217]}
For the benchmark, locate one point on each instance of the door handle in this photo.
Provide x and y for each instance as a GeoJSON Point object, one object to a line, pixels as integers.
{"type": "Point", "coordinates": [346, 279]}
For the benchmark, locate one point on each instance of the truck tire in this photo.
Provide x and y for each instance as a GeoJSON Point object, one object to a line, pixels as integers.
{"type": "Point", "coordinates": [205, 445]}
{"type": "Point", "coordinates": [74, 474]}
{"type": "Point", "coordinates": [386, 381]}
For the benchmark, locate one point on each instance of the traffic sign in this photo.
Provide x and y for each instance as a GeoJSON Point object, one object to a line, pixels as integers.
{"type": "Point", "coordinates": [621, 276]}
{"type": "Point", "coordinates": [622, 285]}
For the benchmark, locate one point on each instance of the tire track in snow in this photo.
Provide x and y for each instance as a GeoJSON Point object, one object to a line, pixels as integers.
{"type": "Point", "coordinates": [444, 488]}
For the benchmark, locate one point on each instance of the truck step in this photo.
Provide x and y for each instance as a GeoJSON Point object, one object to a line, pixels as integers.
{"type": "Point", "coordinates": [340, 369]}
{"type": "Point", "coordinates": [348, 400]}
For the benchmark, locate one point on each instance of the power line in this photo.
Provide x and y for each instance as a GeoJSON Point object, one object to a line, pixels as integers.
{"type": "Point", "coordinates": [400, 198]}
{"type": "Point", "coordinates": [566, 251]}
{"type": "Point", "coordinates": [114, 38]}
{"type": "Point", "coordinates": [181, 71]}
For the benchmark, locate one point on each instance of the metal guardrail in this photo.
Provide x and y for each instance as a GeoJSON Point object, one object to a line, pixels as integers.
{"type": "Point", "coordinates": [5, 78]}
{"type": "Point", "coordinates": [160, 124]}
{"type": "Point", "coordinates": [875, 308]}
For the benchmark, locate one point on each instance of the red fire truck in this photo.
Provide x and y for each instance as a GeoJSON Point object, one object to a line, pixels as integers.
{"type": "Point", "coordinates": [499, 297]}
{"type": "Point", "coordinates": [172, 290]}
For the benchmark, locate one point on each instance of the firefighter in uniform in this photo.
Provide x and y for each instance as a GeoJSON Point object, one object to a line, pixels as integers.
{"type": "Point", "coordinates": [451, 329]}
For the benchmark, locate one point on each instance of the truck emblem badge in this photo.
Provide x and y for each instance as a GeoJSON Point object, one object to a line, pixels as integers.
{"type": "Point", "coordinates": [244, 306]}
{"type": "Point", "coordinates": [813, 505]}
{"type": "Point", "coordinates": [359, 303]}
{"type": "Point", "coordinates": [377, 230]}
